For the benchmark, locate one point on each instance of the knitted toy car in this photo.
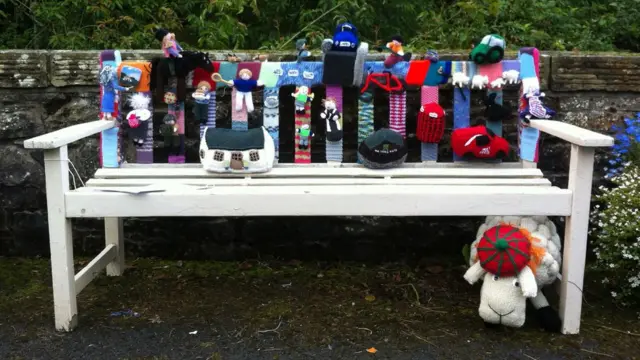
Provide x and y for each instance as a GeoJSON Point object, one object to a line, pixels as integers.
{"type": "Point", "coordinates": [490, 50]}
{"type": "Point", "coordinates": [478, 142]}
{"type": "Point", "coordinates": [385, 81]}
{"type": "Point", "coordinates": [516, 257]}
{"type": "Point", "coordinates": [345, 38]}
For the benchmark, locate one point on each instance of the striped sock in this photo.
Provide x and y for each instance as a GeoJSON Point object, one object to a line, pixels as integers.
{"type": "Point", "coordinates": [398, 112]}
{"type": "Point", "coordinates": [429, 151]}
{"type": "Point", "coordinates": [303, 156]}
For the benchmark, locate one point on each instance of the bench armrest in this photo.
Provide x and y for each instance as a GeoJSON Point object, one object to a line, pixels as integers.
{"type": "Point", "coordinates": [62, 137]}
{"type": "Point", "coordinates": [573, 134]}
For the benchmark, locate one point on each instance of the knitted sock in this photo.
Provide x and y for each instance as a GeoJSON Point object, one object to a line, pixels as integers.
{"type": "Point", "coordinates": [333, 149]}
{"type": "Point", "coordinates": [303, 156]}
{"type": "Point", "coordinates": [144, 154]}
{"type": "Point", "coordinates": [239, 119]}
{"type": "Point", "coordinates": [271, 116]}
{"type": "Point", "coordinates": [398, 112]}
{"type": "Point", "coordinates": [429, 151]}
{"type": "Point", "coordinates": [211, 112]}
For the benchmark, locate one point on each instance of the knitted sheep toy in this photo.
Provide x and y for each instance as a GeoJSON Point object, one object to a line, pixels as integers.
{"type": "Point", "coordinates": [516, 257]}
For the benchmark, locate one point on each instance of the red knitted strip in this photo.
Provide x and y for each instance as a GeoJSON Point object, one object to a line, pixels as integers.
{"type": "Point", "coordinates": [417, 72]}
{"type": "Point", "coordinates": [302, 156]}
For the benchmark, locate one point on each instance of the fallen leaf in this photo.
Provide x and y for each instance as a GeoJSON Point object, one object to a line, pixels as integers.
{"type": "Point", "coordinates": [372, 350]}
{"type": "Point", "coordinates": [370, 298]}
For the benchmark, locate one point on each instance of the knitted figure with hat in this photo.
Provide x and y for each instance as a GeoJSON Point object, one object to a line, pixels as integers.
{"type": "Point", "coordinates": [302, 95]}
{"type": "Point", "coordinates": [202, 96]}
{"type": "Point", "coordinates": [332, 116]}
{"type": "Point", "coordinates": [170, 47]}
{"type": "Point", "coordinates": [244, 86]}
{"type": "Point", "coordinates": [305, 134]}
{"type": "Point", "coordinates": [534, 108]}
{"type": "Point", "coordinates": [397, 52]}
{"type": "Point", "coordinates": [301, 47]}
{"type": "Point", "coordinates": [109, 81]}
{"type": "Point", "coordinates": [515, 256]}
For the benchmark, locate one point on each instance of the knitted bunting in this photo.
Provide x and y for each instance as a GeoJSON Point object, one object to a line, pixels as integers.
{"type": "Point", "coordinates": [334, 148]}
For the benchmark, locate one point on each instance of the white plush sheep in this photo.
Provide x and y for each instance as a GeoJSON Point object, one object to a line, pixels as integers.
{"type": "Point", "coordinates": [503, 299]}
{"type": "Point", "coordinates": [460, 79]}
{"type": "Point", "coordinates": [511, 76]}
{"type": "Point", "coordinates": [497, 83]}
{"type": "Point", "coordinates": [479, 81]}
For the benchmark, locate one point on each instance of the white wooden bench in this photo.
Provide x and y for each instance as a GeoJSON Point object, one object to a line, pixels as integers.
{"type": "Point", "coordinates": [416, 189]}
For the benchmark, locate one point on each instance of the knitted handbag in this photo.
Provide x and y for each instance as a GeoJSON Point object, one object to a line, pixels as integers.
{"type": "Point", "coordinates": [430, 123]}
{"type": "Point", "coordinates": [504, 250]}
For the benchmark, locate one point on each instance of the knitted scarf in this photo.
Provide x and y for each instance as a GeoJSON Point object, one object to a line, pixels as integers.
{"type": "Point", "coordinates": [271, 118]}
{"type": "Point", "coordinates": [333, 149]}
{"type": "Point", "coordinates": [111, 139]}
{"type": "Point", "coordinates": [211, 112]}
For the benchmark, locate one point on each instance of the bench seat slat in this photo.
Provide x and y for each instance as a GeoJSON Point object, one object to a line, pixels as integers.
{"type": "Point", "coordinates": [348, 200]}
{"type": "Point", "coordinates": [407, 165]}
{"type": "Point", "coordinates": [319, 181]}
{"type": "Point", "coordinates": [354, 172]}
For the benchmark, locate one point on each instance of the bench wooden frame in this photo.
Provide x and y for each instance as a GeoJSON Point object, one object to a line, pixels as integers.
{"type": "Point", "coordinates": [416, 189]}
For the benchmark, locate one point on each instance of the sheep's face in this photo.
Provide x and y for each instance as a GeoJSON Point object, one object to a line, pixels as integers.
{"type": "Point", "coordinates": [502, 301]}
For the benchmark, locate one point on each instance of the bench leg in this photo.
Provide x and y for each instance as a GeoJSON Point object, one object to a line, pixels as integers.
{"type": "Point", "coordinates": [575, 238]}
{"type": "Point", "coordinates": [113, 231]}
{"type": "Point", "coordinates": [60, 239]}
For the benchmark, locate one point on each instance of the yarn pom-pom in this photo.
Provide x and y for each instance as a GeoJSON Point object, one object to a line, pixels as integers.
{"type": "Point", "coordinates": [140, 101]}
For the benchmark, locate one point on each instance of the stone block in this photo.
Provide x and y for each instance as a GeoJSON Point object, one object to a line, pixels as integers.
{"type": "Point", "coordinates": [23, 69]}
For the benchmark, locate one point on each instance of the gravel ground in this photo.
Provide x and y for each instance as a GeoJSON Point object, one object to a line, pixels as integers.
{"type": "Point", "coordinates": [270, 310]}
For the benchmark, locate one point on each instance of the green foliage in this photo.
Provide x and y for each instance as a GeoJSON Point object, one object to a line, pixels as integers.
{"type": "Point", "coordinates": [617, 235]}
{"type": "Point", "coordinates": [262, 24]}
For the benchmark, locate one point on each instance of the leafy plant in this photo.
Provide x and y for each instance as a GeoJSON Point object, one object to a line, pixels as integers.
{"type": "Point", "coordinates": [262, 24]}
{"type": "Point", "coordinates": [616, 217]}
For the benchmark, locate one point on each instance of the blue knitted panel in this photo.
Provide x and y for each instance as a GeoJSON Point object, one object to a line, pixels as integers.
{"type": "Point", "coordinates": [400, 69]}
{"type": "Point", "coordinates": [271, 119]}
{"type": "Point", "coordinates": [304, 73]}
{"type": "Point", "coordinates": [239, 125]}
{"type": "Point", "coordinates": [429, 151]}
{"type": "Point", "coordinates": [334, 151]}
{"type": "Point", "coordinates": [461, 110]}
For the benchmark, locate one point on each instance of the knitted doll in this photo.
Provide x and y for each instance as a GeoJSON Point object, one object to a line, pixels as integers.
{"type": "Point", "coordinates": [138, 117]}
{"type": "Point", "coordinates": [397, 52]}
{"type": "Point", "coordinates": [170, 47]}
{"type": "Point", "coordinates": [302, 95]}
{"type": "Point", "coordinates": [305, 133]}
{"type": "Point", "coordinates": [332, 117]}
{"type": "Point", "coordinates": [201, 107]}
{"type": "Point", "coordinates": [301, 46]}
{"type": "Point", "coordinates": [109, 82]}
{"type": "Point", "coordinates": [244, 86]}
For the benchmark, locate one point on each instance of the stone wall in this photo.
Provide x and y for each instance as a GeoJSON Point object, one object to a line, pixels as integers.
{"type": "Point", "coordinates": [44, 91]}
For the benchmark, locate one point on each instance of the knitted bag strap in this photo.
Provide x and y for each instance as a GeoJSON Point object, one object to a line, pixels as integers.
{"type": "Point", "coordinates": [462, 98]}
{"type": "Point", "coordinates": [333, 149]}
{"type": "Point", "coordinates": [271, 116]}
{"type": "Point", "coordinates": [429, 151]}
{"type": "Point", "coordinates": [398, 112]}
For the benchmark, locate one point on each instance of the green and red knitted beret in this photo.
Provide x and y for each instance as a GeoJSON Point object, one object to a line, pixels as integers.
{"type": "Point", "coordinates": [504, 250]}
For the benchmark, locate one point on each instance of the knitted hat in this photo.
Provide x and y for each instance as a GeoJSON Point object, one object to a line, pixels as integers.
{"type": "Point", "coordinates": [430, 127]}
{"type": "Point", "coordinates": [504, 250]}
{"type": "Point", "coordinates": [161, 33]}
{"type": "Point", "coordinates": [397, 38]}
{"type": "Point", "coordinates": [300, 44]}
{"type": "Point", "coordinates": [383, 149]}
